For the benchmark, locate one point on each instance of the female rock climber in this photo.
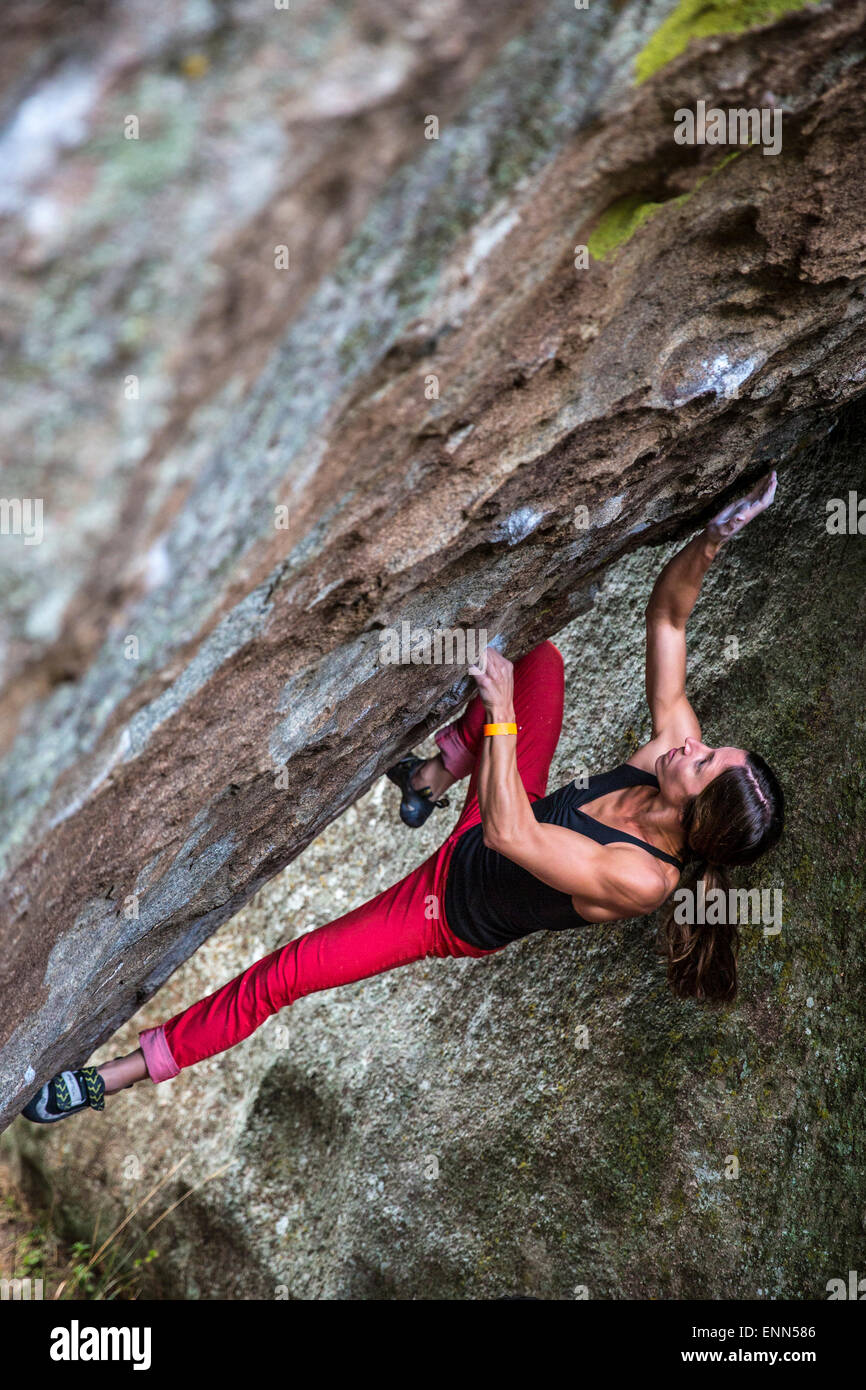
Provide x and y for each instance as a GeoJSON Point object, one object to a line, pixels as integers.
{"type": "Point", "coordinates": [518, 860]}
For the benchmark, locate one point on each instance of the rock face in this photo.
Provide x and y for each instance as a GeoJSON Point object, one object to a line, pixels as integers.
{"type": "Point", "coordinates": [462, 421]}
{"type": "Point", "coordinates": [448, 1131]}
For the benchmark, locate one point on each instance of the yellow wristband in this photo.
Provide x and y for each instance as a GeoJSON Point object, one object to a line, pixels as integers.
{"type": "Point", "coordinates": [500, 729]}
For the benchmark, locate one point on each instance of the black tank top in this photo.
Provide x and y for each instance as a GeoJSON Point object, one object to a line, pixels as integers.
{"type": "Point", "coordinates": [490, 900]}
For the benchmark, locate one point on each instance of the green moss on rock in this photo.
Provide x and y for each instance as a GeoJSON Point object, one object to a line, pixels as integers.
{"type": "Point", "coordinates": [698, 19]}
{"type": "Point", "coordinates": [618, 224]}
{"type": "Point", "coordinates": [623, 218]}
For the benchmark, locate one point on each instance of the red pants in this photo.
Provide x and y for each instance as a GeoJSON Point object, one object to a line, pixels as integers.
{"type": "Point", "coordinates": [402, 924]}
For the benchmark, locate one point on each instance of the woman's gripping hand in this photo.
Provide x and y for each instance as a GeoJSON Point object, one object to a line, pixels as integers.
{"type": "Point", "coordinates": [734, 517]}
{"type": "Point", "coordinates": [495, 681]}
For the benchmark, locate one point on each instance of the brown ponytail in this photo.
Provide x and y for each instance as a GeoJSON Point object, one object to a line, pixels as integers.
{"type": "Point", "coordinates": [735, 819]}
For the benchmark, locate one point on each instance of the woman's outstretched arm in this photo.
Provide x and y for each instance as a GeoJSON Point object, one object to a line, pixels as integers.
{"type": "Point", "coordinates": [671, 602]}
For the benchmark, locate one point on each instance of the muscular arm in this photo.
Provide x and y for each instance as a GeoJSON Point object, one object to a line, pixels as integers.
{"type": "Point", "coordinates": [670, 605]}
{"type": "Point", "coordinates": [671, 602]}
{"type": "Point", "coordinates": [506, 814]}
{"type": "Point", "coordinates": [606, 882]}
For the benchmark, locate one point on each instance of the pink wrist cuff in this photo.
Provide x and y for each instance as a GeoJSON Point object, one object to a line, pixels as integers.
{"type": "Point", "coordinates": [456, 757]}
{"type": "Point", "coordinates": [160, 1064]}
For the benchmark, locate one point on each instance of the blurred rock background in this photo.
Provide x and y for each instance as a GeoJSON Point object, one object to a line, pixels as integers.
{"type": "Point", "coordinates": [148, 264]}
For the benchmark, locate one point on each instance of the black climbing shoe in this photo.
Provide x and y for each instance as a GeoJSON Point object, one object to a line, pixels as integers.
{"type": "Point", "coordinates": [417, 803]}
{"type": "Point", "coordinates": [66, 1094]}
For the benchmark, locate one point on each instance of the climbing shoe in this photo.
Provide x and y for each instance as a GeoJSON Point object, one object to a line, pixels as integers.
{"type": "Point", "coordinates": [417, 802]}
{"type": "Point", "coordinates": [66, 1094]}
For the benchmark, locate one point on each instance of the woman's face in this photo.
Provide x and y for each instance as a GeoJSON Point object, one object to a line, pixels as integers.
{"type": "Point", "coordinates": [683, 772]}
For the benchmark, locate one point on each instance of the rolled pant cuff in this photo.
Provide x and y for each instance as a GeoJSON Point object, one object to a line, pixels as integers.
{"type": "Point", "coordinates": [160, 1064]}
{"type": "Point", "coordinates": [457, 758]}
